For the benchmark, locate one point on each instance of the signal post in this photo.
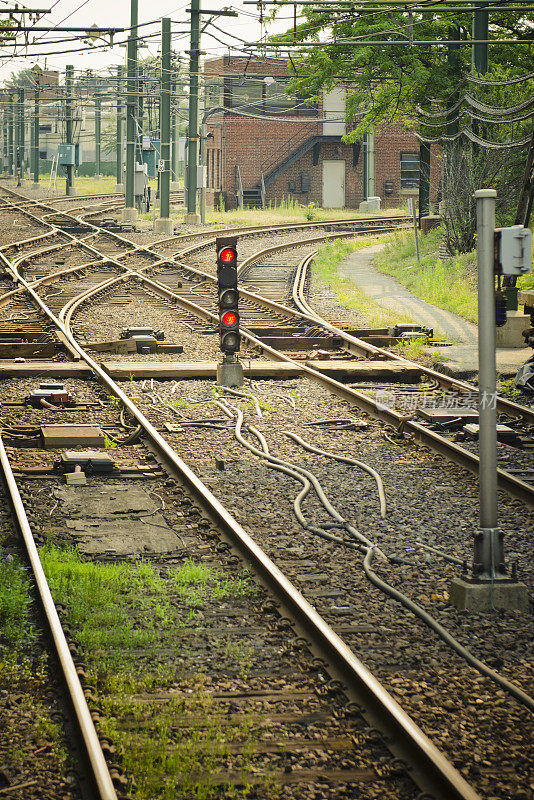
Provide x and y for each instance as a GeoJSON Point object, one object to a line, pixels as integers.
{"type": "Point", "coordinates": [230, 370]}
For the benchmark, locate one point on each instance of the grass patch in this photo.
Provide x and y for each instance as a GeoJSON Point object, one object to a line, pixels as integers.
{"type": "Point", "coordinates": [325, 267]}
{"type": "Point", "coordinates": [16, 630]}
{"type": "Point", "coordinates": [286, 211]}
{"type": "Point", "coordinates": [130, 621]}
{"type": "Point", "coordinates": [450, 284]}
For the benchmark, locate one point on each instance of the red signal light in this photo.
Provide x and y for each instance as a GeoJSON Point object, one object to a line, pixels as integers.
{"type": "Point", "coordinates": [228, 255]}
{"type": "Point", "coordinates": [230, 318]}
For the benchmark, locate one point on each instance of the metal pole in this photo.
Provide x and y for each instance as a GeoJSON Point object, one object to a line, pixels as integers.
{"type": "Point", "coordinates": [203, 162]}
{"type": "Point", "coordinates": [365, 167]}
{"type": "Point", "coordinates": [174, 149]}
{"type": "Point", "coordinates": [485, 202]}
{"type": "Point", "coordinates": [5, 134]}
{"type": "Point", "coordinates": [424, 179]}
{"type": "Point", "coordinates": [98, 133]}
{"type": "Point", "coordinates": [21, 138]}
{"type": "Point", "coordinates": [480, 32]}
{"type": "Point", "coordinates": [165, 119]}
{"type": "Point", "coordinates": [69, 189]}
{"type": "Point", "coordinates": [130, 212]}
{"type": "Point", "coordinates": [371, 165]}
{"type": "Point", "coordinates": [192, 131]}
{"type": "Point", "coordinates": [140, 115]}
{"type": "Point", "coordinates": [10, 136]}
{"type": "Point", "coordinates": [119, 186]}
{"type": "Point", "coordinates": [36, 136]}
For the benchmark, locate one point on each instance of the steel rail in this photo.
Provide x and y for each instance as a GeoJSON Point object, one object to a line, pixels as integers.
{"type": "Point", "coordinates": [504, 405]}
{"type": "Point", "coordinates": [93, 750]}
{"type": "Point", "coordinates": [509, 483]}
{"type": "Point", "coordinates": [452, 451]}
{"type": "Point", "coordinates": [431, 770]}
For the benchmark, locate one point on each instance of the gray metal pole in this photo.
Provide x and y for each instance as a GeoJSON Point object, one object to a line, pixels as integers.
{"type": "Point", "coordinates": [69, 189]}
{"type": "Point", "coordinates": [21, 138]}
{"type": "Point", "coordinates": [192, 130]}
{"type": "Point", "coordinates": [36, 137]}
{"type": "Point", "coordinates": [119, 186]}
{"type": "Point", "coordinates": [98, 133]}
{"type": "Point", "coordinates": [130, 212]}
{"type": "Point", "coordinates": [10, 136]}
{"type": "Point", "coordinates": [487, 378]}
{"type": "Point", "coordinates": [174, 149]}
{"type": "Point", "coordinates": [165, 117]}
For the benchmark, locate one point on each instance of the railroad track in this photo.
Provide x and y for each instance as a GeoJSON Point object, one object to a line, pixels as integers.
{"type": "Point", "coordinates": [436, 774]}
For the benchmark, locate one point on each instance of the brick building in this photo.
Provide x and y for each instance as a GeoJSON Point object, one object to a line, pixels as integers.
{"type": "Point", "coordinates": [266, 146]}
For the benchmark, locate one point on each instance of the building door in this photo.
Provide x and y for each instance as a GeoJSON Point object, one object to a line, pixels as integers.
{"type": "Point", "coordinates": [333, 184]}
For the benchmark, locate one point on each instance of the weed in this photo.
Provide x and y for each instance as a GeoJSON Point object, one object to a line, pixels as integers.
{"type": "Point", "coordinates": [310, 211]}
{"type": "Point", "coordinates": [109, 443]}
{"type": "Point", "coordinates": [451, 285]}
{"type": "Point", "coordinates": [15, 628]}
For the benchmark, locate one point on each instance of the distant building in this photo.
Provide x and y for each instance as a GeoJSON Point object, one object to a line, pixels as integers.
{"type": "Point", "coordinates": [267, 146]}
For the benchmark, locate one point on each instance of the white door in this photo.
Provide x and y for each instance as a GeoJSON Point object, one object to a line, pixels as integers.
{"type": "Point", "coordinates": [333, 184]}
{"type": "Point", "coordinates": [334, 107]}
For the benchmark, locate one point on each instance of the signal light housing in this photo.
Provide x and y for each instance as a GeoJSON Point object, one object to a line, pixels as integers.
{"type": "Point", "coordinates": [228, 295]}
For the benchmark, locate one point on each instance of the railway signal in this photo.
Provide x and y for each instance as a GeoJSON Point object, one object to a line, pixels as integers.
{"type": "Point", "coordinates": [230, 372]}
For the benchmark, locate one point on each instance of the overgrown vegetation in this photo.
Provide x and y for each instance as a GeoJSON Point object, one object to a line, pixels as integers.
{"type": "Point", "coordinates": [134, 625]}
{"type": "Point", "coordinates": [450, 284]}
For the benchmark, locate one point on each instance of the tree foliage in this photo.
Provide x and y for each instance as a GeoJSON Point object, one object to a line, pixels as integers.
{"type": "Point", "coordinates": [389, 82]}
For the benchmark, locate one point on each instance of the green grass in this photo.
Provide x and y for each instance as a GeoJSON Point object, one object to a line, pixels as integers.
{"type": "Point", "coordinates": [126, 617]}
{"type": "Point", "coordinates": [16, 631]}
{"type": "Point", "coordinates": [325, 267]}
{"type": "Point", "coordinates": [449, 284]}
{"type": "Point", "coordinates": [371, 315]}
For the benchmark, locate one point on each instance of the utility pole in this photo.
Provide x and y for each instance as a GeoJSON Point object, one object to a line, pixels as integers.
{"type": "Point", "coordinates": [4, 135]}
{"type": "Point", "coordinates": [10, 136]}
{"type": "Point", "coordinates": [130, 212]}
{"type": "Point", "coordinates": [488, 585]}
{"type": "Point", "coordinates": [480, 32]}
{"type": "Point", "coordinates": [174, 150]}
{"type": "Point", "coordinates": [36, 135]}
{"type": "Point", "coordinates": [165, 224]}
{"type": "Point", "coordinates": [119, 186]}
{"type": "Point", "coordinates": [192, 218]}
{"type": "Point", "coordinates": [21, 142]}
{"type": "Point", "coordinates": [69, 187]}
{"type": "Point", "coordinates": [140, 115]}
{"type": "Point", "coordinates": [98, 133]}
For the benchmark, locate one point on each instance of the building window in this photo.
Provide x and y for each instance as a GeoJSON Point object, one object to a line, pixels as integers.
{"type": "Point", "coordinates": [409, 170]}
{"type": "Point", "coordinates": [43, 154]}
{"type": "Point", "coordinates": [45, 129]}
{"type": "Point", "coordinates": [218, 179]}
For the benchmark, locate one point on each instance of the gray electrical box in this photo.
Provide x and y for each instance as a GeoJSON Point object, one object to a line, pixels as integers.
{"type": "Point", "coordinates": [67, 154]}
{"type": "Point", "coordinates": [513, 250]}
{"type": "Point", "coordinates": [140, 179]}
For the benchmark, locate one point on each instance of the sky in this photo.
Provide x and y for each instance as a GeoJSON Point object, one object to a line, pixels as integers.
{"type": "Point", "coordinates": [116, 13]}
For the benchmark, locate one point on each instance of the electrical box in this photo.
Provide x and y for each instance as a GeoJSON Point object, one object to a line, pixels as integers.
{"type": "Point", "coordinates": [67, 155]}
{"type": "Point", "coordinates": [513, 250]}
{"type": "Point", "coordinates": [201, 177]}
{"type": "Point", "coordinates": [305, 182]}
{"type": "Point", "coordinates": [140, 179]}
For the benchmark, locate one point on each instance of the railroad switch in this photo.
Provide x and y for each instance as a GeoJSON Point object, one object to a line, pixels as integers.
{"type": "Point", "coordinates": [53, 394]}
{"type": "Point", "coordinates": [142, 330]}
{"type": "Point", "coordinates": [405, 330]}
{"type": "Point", "coordinates": [146, 338]}
{"type": "Point", "coordinates": [90, 461]}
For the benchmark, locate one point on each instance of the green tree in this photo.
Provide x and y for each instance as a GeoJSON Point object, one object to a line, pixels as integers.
{"type": "Point", "coordinates": [388, 82]}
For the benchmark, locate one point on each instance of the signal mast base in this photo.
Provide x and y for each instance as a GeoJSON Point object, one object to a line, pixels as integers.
{"type": "Point", "coordinates": [230, 374]}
